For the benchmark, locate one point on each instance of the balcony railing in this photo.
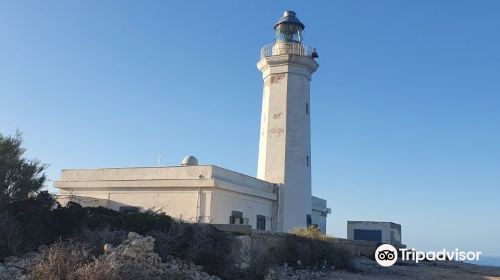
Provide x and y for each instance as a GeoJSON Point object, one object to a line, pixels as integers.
{"type": "Point", "coordinates": [238, 220]}
{"type": "Point", "coordinates": [280, 48]}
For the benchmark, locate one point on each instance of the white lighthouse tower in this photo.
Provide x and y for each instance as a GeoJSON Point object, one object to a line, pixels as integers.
{"type": "Point", "coordinates": [285, 135]}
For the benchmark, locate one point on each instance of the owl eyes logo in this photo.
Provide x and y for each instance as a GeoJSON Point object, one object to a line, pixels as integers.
{"type": "Point", "coordinates": [386, 255]}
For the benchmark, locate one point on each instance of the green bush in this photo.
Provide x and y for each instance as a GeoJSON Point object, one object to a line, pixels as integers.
{"type": "Point", "coordinates": [20, 178]}
{"type": "Point", "coordinates": [95, 239]}
{"type": "Point", "coordinates": [25, 225]}
{"type": "Point", "coordinates": [73, 218]}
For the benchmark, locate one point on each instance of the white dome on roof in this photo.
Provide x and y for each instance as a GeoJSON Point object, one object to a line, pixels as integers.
{"type": "Point", "coordinates": [189, 160]}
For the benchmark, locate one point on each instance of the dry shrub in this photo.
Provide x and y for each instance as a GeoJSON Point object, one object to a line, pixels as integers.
{"type": "Point", "coordinates": [97, 270]}
{"type": "Point", "coordinates": [260, 263]}
{"type": "Point", "coordinates": [316, 253]}
{"type": "Point", "coordinates": [312, 248]}
{"type": "Point", "coordinates": [73, 261]}
{"type": "Point", "coordinates": [59, 261]}
{"type": "Point", "coordinates": [311, 232]}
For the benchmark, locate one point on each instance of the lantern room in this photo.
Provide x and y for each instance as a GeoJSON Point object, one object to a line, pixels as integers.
{"type": "Point", "coordinates": [289, 28]}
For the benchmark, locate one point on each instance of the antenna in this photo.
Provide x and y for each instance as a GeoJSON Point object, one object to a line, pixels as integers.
{"type": "Point", "coordinates": [159, 159]}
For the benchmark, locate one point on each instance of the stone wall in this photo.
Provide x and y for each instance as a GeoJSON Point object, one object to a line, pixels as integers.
{"type": "Point", "coordinates": [262, 242]}
{"type": "Point", "coordinates": [357, 247]}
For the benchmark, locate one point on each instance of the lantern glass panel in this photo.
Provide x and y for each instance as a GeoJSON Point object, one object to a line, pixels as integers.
{"type": "Point", "coordinates": [288, 33]}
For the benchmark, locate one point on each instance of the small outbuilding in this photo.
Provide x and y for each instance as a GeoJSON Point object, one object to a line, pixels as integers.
{"type": "Point", "coordinates": [380, 232]}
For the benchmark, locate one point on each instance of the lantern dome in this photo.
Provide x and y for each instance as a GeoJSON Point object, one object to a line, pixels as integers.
{"type": "Point", "coordinates": [290, 18]}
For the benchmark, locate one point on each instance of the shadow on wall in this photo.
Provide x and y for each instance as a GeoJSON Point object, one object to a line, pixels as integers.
{"type": "Point", "coordinates": [96, 202]}
{"type": "Point", "coordinates": [86, 201]}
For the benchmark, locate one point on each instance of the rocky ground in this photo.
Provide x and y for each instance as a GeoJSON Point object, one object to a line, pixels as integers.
{"type": "Point", "coordinates": [135, 255]}
{"type": "Point", "coordinates": [370, 270]}
{"type": "Point", "coordinates": [13, 267]}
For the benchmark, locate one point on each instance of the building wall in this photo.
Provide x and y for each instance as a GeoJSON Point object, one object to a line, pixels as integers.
{"type": "Point", "coordinates": [224, 202]}
{"type": "Point", "coordinates": [181, 204]}
{"type": "Point", "coordinates": [184, 192]}
{"type": "Point", "coordinates": [319, 212]}
{"type": "Point", "coordinates": [319, 219]}
{"type": "Point", "coordinates": [395, 234]}
{"type": "Point", "coordinates": [391, 232]}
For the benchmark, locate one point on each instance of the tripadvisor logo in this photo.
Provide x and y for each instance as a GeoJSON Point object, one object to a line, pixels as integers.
{"type": "Point", "coordinates": [387, 255]}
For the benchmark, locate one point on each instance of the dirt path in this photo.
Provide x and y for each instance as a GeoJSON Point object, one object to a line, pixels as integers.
{"type": "Point", "coordinates": [370, 270]}
{"type": "Point", "coordinates": [428, 271]}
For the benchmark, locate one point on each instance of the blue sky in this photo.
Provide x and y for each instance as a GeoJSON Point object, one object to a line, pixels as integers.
{"type": "Point", "coordinates": [405, 104]}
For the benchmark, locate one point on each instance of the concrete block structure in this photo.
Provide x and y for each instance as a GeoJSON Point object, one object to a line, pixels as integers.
{"type": "Point", "coordinates": [380, 232]}
{"type": "Point", "coordinates": [279, 199]}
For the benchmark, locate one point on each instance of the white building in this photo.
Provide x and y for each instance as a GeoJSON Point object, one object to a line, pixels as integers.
{"type": "Point", "coordinates": [278, 199]}
{"type": "Point", "coordinates": [380, 232]}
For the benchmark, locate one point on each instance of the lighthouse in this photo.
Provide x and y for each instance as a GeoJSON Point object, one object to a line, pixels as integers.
{"type": "Point", "coordinates": [287, 66]}
{"type": "Point", "coordinates": [278, 200]}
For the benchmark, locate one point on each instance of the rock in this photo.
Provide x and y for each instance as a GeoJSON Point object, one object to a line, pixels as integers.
{"type": "Point", "coordinates": [31, 255]}
{"type": "Point", "coordinates": [132, 235]}
{"type": "Point", "coordinates": [135, 256]}
{"type": "Point", "coordinates": [108, 249]}
{"type": "Point", "coordinates": [14, 266]}
{"type": "Point", "coordinates": [42, 248]}
{"type": "Point", "coordinates": [129, 252]}
{"type": "Point", "coordinates": [288, 273]}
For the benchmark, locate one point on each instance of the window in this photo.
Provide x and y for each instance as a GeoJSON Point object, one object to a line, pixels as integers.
{"type": "Point", "coordinates": [128, 209]}
{"type": "Point", "coordinates": [261, 222]}
{"type": "Point", "coordinates": [309, 220]}
{"type": "Point", "coordinates": [368, 234]}
{"type": "Point", "coordinates": [307, 108]}
{"type": "Point", "coordinates": [308, 161]}
{"type": "Point", "coordinates": [236, 218]}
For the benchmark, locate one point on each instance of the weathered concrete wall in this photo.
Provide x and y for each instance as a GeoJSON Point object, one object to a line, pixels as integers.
{"type": "Point", "coordinates": [285, 138]}
{"type": "Point", "coordinates": [357, 247]}
{"type": "Point", "coordinates": [224, 202]}
{"type": "Point", "coordinates": [260, 243]}
{"type": "Point", "coordinates": [391, 232]}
